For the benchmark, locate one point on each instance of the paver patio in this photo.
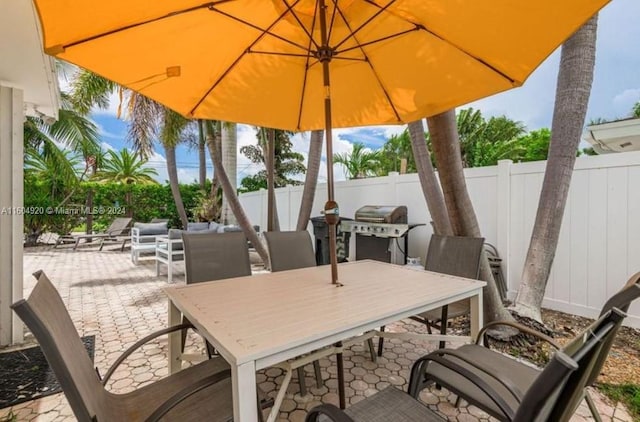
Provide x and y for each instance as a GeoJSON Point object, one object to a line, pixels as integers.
{"type": "Point", "coordinates": [119, 302]}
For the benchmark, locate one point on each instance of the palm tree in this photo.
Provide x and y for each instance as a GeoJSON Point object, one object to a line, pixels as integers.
{"type": "Point", "coordinates": [214, 139]}
{"type": "Point", "coordinates": [396, 151]}
{"type": "Point", "coordinates": [446, 148]}
{"type": "Point", "coordinates": [126, 168]}
{"type": "Point", "coordinates": [636, 110]}
{"type": "Point", "coordinates": [311, 179]}
{"type": "Point", "coordinates": [360, 162]}
{"type": "Point", "coordinates": [577, 63]}
{"type": "Point", "coordinates": [229, 139]}
{"type": "Point", "coordinates": [428, 180]}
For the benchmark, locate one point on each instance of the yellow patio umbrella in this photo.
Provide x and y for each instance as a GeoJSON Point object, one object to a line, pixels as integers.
{"type": "Point", "coordinates": [311, 64]}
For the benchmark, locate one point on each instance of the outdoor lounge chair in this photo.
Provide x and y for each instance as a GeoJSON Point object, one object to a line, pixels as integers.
{"type": "Point", "coordinates": [550, 396]}
{"type": "Point", "coordinates": [452, 255]}
{"type": "Point", "coordinates": [118, 228]}
{"type": "Point", "coordinates": [481, 363]}
{"type": "Point", "coordinates": [213, 256]}
{"type": "Point", "coordinates": [200, 392]}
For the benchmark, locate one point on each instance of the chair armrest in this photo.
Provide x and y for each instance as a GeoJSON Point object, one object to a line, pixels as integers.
{"type": "Point", "coordinates": [520, 327]}
{"type": "Point", "coordinates": [186, 392]}
{"type": "Point", "coordinates": [139, 343]}
{"type": "Point", "coordinates": [419, 368]}
{"type": "Point", "coordinates": [330, 411]}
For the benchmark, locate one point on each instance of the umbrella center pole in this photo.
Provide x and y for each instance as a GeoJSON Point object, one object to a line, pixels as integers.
{"type": "Point", "coordinates": [331, 209]}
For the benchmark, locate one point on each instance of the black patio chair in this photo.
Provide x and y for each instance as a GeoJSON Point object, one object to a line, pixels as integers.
{"type": "Point", "coordinates": [452, 255]}
{"type": "Point", "coordinates": [290, 250]}
{"type": "Point", "coordinates": [490, 365]}
{"type": "Point", "coordinates": [201, 392]}
{"type": "Point", "coordinates": [210, 256]}
{"type": "Point", "coordinates": [549, 397]}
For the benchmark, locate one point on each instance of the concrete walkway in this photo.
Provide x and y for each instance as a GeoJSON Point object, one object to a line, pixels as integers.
{"type": "Point", "coordinates": [118, 302]}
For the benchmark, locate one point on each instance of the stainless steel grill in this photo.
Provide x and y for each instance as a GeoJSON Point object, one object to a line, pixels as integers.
{"type": "Point", "coordinates": [379, 232]}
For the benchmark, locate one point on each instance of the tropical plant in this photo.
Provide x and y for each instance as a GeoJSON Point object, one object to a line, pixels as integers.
{"type": "Point", "coordinates": [575, 77]}
{"type": "Point", "coordinates": [125, 167]}
{"type": "Point", "coordinates": [394, 151]}
{"type": "Point", "coordinates": [360, 162]}
{"type": "Point", "coordinates": [53, 165]}
{"type": "Point", "coordinates": [635, 112]}
{"type": "Point", "coordinates": [288, 163]}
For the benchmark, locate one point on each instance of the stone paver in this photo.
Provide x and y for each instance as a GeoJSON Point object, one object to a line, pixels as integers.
{"type": "Point", "coordinates": [118, 302]}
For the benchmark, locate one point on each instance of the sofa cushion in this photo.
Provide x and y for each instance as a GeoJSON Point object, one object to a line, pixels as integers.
{"type": "Point", "coordinates": [176, 234]}
{"type": "Point", "coordinates": [151, 230]}
{"type": "Point", "coordinates": [195, 227]}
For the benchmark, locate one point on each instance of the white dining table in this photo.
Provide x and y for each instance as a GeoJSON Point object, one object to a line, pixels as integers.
{"type": "Point", "coordinates": [262, 320]}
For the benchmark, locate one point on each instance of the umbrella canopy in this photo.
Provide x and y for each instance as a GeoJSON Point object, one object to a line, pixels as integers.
{"type": "Point", "coordinates": [256, 61]}
{"type": "Point", "coordinates": [311, 64]}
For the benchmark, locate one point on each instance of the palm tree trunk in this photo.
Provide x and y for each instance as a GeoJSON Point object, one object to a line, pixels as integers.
{"type": "Point", "coordinates": [310, 179]}
{"type": "Point", "coordinates": [273, 222]}
{"type": "Point", "coordinates": [575, 78]}
{"type": "Point", "coordinates": [172, 170]}
{"type": "Point", "coordinates": [428, 181]}
{"type": "Point", "coordinates": [202, 158]}
{"type": "Point", "coordinates": [232, 199]}
{"type": "Point", "coordinates": [446, 148]}
{"type": "Point", "coordinates": [229, 132]}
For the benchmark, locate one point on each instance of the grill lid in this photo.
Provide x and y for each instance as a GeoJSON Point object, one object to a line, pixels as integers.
{"type": "Point", "coordinates": [395, 214]}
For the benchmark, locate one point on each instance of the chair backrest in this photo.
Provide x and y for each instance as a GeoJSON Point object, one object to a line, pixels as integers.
{"type": "Point", "coordinates": [621, 300]}
{"type": "Point", "coordinates": [290, 250]}
{"type": "Point", "coordinates": [215, 256]}
{"type": "Point", "coordinates": [558, 390]}
{"type": "Point", "coordinates": [119, 226]}
{"type": "Point", "coordinates": [455, 255]}
{"type": "Point", "coordinates": [47, 318]}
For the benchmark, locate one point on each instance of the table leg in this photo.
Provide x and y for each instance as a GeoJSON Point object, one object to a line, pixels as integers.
{"type": "Point", "coordinates": [175, 361]}
{"type": "Point", "coordinates": [341, 389]}
{"type": "Point", "coordinates": [243, 380]}
{"type": "Point", "coordinates": [476, 315]}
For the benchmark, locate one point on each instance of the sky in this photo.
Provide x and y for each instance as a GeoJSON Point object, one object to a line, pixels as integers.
{"type": "Point", "coordinates": [616, 88]}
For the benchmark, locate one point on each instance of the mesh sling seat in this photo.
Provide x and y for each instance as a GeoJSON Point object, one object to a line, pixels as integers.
{"type": "Point", "coordinates": [118, 228]}
{"type": "Point", "coordinates": [452, 255]}
{"type": "Point", "coordinates": [210, 256]}
{"type": "Point", "coordinates": [549, 397]}
{"type": "Point", "coordinates": [201, 392]}
{"type": "Point", "coordinates": [487, 364]}
{"type": "Point", "coordinates": [291, 250]}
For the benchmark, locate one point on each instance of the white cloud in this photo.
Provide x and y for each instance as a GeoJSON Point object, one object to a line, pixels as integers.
{"type": "Point", "coordinates": [623, 102]}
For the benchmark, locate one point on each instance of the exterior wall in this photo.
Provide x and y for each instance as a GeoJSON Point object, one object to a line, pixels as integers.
{"type": "Point", "coordinates": [599, 247]}
{"type": "Point", "coordinates": [11, 198]}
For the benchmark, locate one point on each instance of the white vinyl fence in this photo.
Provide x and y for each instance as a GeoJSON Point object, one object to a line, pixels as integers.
{"type": "Point", "coordinates": [599, 246]}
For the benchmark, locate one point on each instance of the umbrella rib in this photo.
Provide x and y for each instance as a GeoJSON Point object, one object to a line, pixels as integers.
{"type": "Point", "coordinates": [277, 53]}
{"type": "Point", "coordinates": [137, 24]}
{"type": "Point", "coordinates": [264, 31]}
{"type": "Point", "coordinates": [235, 62]}
{"type": "Point", "coordinates": [302, 25]}
{"type": "Point", "coordinates": [378, 40]}
{"type": "Point", "coordinates": [333, 17]}
{"type": "Point", "coordinates": [306, 72]}
{"type": "Point", "coordinates": [457, 47]}
{"type": "Point", "coordinates": [373, 70]}
{"type": "Point", "coordinates": [365, 23]}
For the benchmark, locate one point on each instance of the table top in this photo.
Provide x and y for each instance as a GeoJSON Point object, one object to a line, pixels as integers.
{"type": "Point", "coordinates": [249, 318]}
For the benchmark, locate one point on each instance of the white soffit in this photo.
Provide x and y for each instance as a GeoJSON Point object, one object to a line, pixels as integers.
{"type": "Point", "coordinates": [23, 63]}
{"type": "Point", "coordinates": [618, 136]}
